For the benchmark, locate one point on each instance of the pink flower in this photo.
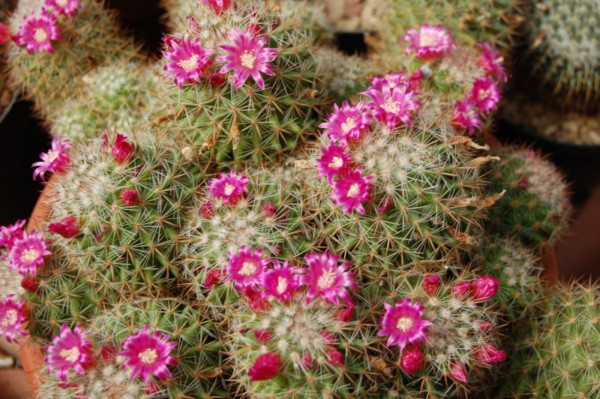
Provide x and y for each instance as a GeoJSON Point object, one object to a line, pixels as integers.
{"type": "Point", "coordinates": [390, 80]}
{"type": "Point", "coordinates": [334, 161]}
{"type": "Point", "coordinates": [229, 188]}
{"type": "Point", "coordinates": [484, 288]}
{"type": "Point", "coordinates": [458, 372]}
{"type": "Point", "coordinates": [411, 360]}
{"type": "Point", "coordinates": [246, 267]}
{"type": "Point", "coordinates": [347, 123]}
{"type": "Point", "coordinates": [485, 94]}
{"type": "Point", "coordinates": [466, 116]}
{"type": "Point", "coordinates": [148, 354]}
{"type": "Point", "coordinates": [281, 281]}
{"type": "Point", "coordinates": [461, 289]}
{"type": "Point", "coordinates": [218, 6]}
{"type": "Point", "coordinates": [37, 33]}
{"type": "Point", "coordinates": [9, 234]}
{"type": "Point", "coordinates": [27, 253]}
{"type": "Point", "coordinates": [351, 189]}
{"type": "Point", "coordinates": [5, 35]}
{"type": "Point", "coordinates": [68, 227]}
{"type": "Point", "coordinates": [429, 42]}
{"type": "Point", "coordinates": [66, 7]}
{"type": "Point", "coordinates": [335, 358]}
{"type": "Point", "coordinates": [69, 350]}
{"type": "Point", "coordinates": [55, 161]}
{"type": "Point", "coordinates": [247, 56]}
{"type": "Point", "coordinates": [121, 150]}
{"type": "Point", "coordinates": [327, 280]}
{"type": "Point", "coordinates": [492, 63]}
{"type": "Point", "coordinates": [392, 106]}
{"type": "Point", "coordinates": [265, 367]}
{"type": "Point", "coordinates": [431, 283]}
{"type": "Point", "coordinates": [129, 197]}
{"type": "Point", "coordinates": [403, 323]}
{"type": "Point", "coordinates": [188, 60]}
{"type": "Point", "coordinates": [489, 354]}
{"type": "Point", "coordinates": [12, 315]}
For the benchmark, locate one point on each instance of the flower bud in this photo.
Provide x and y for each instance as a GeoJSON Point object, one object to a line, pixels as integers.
{"type": "Point", "coordinates": [461, 290]}
{"type": "Point", "coordinates": [484, 288]}
{"type": "Point", "coordinates": [68, 227]}
{"type": "Point", "coordinates": [430, 285]}
{"type": "Point", "coordinates": [489, 354]}
{"type": "Point", "coordinates": [122, 150]}
{"type": "Point", "coordinates": [129, 197]}
{"type": "Point", "coordinates": [265, 367]}
{"type": "Point", "coordinates": [458, 372]}
{"type": "Point", "coordinates": [411, 360]}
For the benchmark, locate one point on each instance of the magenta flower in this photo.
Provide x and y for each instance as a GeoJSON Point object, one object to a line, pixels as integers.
{"type": "Point", "coordinates": [484, 288]}
{"type": "Point", "coordinates": [148, 354]}
{"type": "Point", "coordinates": [411, 360]}
{"type": "Point", "coordinates": [247, 56]}
{"type": "Point", "coordinates": [458, 372]}
{"type": "Point", "coordinates": [37, 33]}
{"type": "Point", "coordinates": [27, 253]}
{"type": "Point", "coordinates": [466, 116]}
{"type": "Point", "coordinates": [229, 188]}
{"type": "Point", "coordinates": [121, 150]}
{"type": "Point", "coordinates": [347, 123]}
{"type": "Point", "coordinates": [56, 160]}
{"type": "Point", "coordinates": [335, 161]}
{"type": "Point", "coordinates": [351, 189]}
{"type": "Point", "coordinates": [430, 284]}
{"type": "Point", "coordinates": [70, 350]}
{"type": "Point", "coordinates": [218, 6]}
{"type": "Point", "coordinates": [265, 367]}
{"type": "Point", "coordinates": [485, 94]}
{"type": "Point", "coordinates": [492, 63]}
{"type": "Point", "coordinates": [390, 80]}
{"type": "Point", "coordinates": [327, 280]}
{"type": "Point", "coordinates": [281, 281]}
{"type": "Point", "coordinates": [67, 228]}
{"type": "Point", "coordinates": [188, 60]}
{"type": "Point", "coordinates": [489, 354]}
{"type": "Point", "coordinates": [12, 315]}
{"type": "Point", "coordinates": [9, 234]}
{"type": "Point", "coordinates": [246, 267]}
{"type": "Point", "coordinates": [66, 7]}
{"type": "Point", "coordinates": [392, 106]}
{"type": "Point", "coordinates": [429, 42]}
{"type": "Point", "coordinates": [403, 323]}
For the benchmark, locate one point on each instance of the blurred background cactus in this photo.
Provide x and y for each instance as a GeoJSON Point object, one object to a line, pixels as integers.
{"type": "Point", "coordinates": [257, 214]}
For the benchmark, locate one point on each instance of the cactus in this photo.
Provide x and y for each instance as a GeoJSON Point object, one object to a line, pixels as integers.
{"type": "Point", "coordinates": [556, 352]}
{"type": "Point", "coordinates": [239, 120]}
{"type": "Point", "coordinates": [535, 207]}
{"type": "Point", "coordinates": [89, 39]}
{"type": "Point", "coordinates": [560, 55]}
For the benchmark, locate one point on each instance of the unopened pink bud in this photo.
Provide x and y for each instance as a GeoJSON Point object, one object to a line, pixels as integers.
{"type": "Point", "coordinates": [411, 360]}
{"type": "Point", "coordinates": [269, 210]}
{"type": "Point", "coordinates": [484, 288]}
{"type": "Point", "coordinates": [461, 289]}
{"type": "Point", "coordinates": [5, 35]}
{"type": "Point", "coordinates": [68, 227]}
{"type": "Point", "coordinates": [458, 372]}
{"type": "Point", "coordinates": [489, 354]}
{"type": "Point", "coordinates": [345, 314]}
{"type": "Point", "coordinates": [213, 277]}
{"type": "Point", "coordinates": [122, 150]}
{"type": "Point", "coordinates": [265, 367]}
{"type": "Point", "coordinates": [207, 211]}
{"type": "Point", "coordinates": [308, 361]}
{"type": "Point", "coordinates": [485, 326]}
{"type": "Point", "coordinates": [129, 197]}
{"type": "Point", "coordinates": [263, 336]}
{"type": "Point", "coordinates": [431, 283]}
{"type": "Point", "coordinates": [335, 358]}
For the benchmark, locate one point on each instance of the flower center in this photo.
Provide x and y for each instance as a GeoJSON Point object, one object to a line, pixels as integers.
{"type": "Point", "coordinates": [405, 324]}
{"type": "Point", "coordinates": [190, 64]}
{"type": "Point", "coordinates": [282, 284]}
{"type": "Point", "coordinates": [248, 268]}
{"type": "Point", "coordinates": [148, 356]}
{"type": "Point", "coordinates": [391, 107]}
{"type": "Point", "coordinates": [427, 39]}
{"type": "Point", "coordinates": [70, 355]}
{"type": "Point", "coordinates": [30, 255]}
{"type": "Point", "coordinates": [62, 3]}
{"type": "Point", "coordinates": [52, 156]}
{"type": "Point", "coordinates": [326, 280]}
{"type": "Point", "coordinates": [349, 125]}
{"type": "Point", "coordinates": [10, 318]}
{"type": "Point", "coordinates": [228, 189]}
{"type": "Point", "coordinates": [40, 35]}
{"type": "Point", "coordinates": [248, 60]}
{"type": "Point", "coordinates": [336, 163]}
{"type": "Point", "coordinates": [354, 191]}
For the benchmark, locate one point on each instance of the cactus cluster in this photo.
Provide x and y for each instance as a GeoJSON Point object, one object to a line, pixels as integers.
{"type": "Point", "coordinates": [220, 228]}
